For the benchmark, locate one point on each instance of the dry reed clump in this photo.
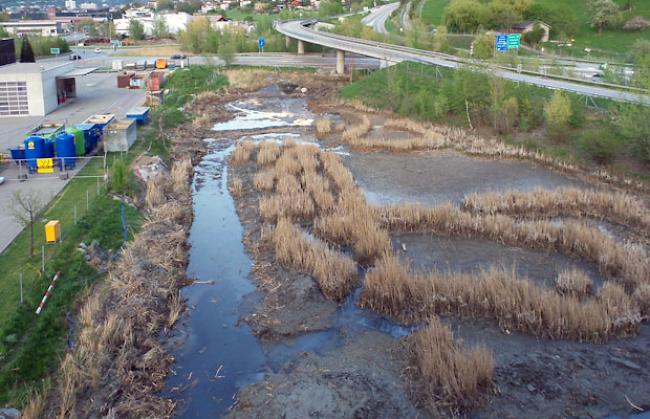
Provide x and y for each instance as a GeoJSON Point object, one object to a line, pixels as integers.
{"type": "Point", "coordinates": [320, 190]}
{"type": "Point", "coordinates": [360, 130]}
{"type": "Point", "coordinates": [616, 207]}
{"type": "Point", "coordinates": [181, 171]}
{"type": "Point", "coordinates": [340, 127]}
{"type": "Point", "coordinates": [297, 205]}
{"type": "Point", "coordinates": [236, 187]}
{"type": "Point", "coordinates": [155, 194]}
{"type": "Point", "coordinates": [264, 181]}
{"type": "Point", "coordinates": [203, 121]}
{"type": "Point", "coordinates": [627, 264]}
{"type": "Point", "coordinates": [268, 153]}
{"type": "Point", "coordinates": [447, 375]}
{"type": "Point", "coordinates": [642, 298]}
{"type": "Point", "coordinates": [242, 153]}
{"type": "Point", "coordinates": [335, 272]}
{"type": "Point", "coordinates": [323, 127]}
{"type": "Point", "coordinates": [574, 282]}
{"type": "Point", "coordinates": [430, 141]}
{"type": "Point", "coordinates": [407, 125]}
{"type": "Point", "coordinates": [515, 303]}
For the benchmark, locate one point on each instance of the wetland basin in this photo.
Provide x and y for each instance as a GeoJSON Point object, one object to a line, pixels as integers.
{"type": "Point", "coordinates": [440, 176]}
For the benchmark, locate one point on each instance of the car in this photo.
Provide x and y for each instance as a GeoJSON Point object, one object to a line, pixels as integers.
{"type": "Point", "coordinates": [98, 50]}
{"type": "Point", "coordinates": [2, 180]}
{"type": "Point", "coordinates": [74, 57]}
{"type": "Point", "coordinates": [178, 57]}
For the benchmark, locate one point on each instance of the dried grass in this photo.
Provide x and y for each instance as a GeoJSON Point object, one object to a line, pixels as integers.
{"type": "Point", "coordinates": [247, 79]}
{"type": "Point", "coordinates": [615, 207]}
{"type": "Point", "coordinates": [264, 181]}
{"type": "Point", "coordinates": [574, 282]}
{"type": "Point", "coordinates": [642, 298]}
{"type": "Point", "coordinates": [358, 131]}
{"type": "Point", "coordinates": [268, 153]}
{"type": "Point", "coordinates": [236, 187]}
{"type": "Point", "coordinates": [447, 374]}
{"type": "Point", "coordinates": [155, 195]}
{"type": "Point", "coordinates": [242, 153]}
{"type": "Point", "coordinates": [323, 127]}
{"type": "Point", "coordinates": [335, 272]}
{"type": "Point", "coordinates": [407, 125]}
{"type": "Point", "coordinates": [627, 264]}
{"type": "Point", "coordinates": [181, 173]}
{"type": "Point", "coordinates": [515, 303]}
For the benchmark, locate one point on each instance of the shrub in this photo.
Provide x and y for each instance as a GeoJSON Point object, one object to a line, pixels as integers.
{"type": "Point", "coordinates": [637, 23]}
{"type": "Point", "coordinates": [558, 112]}
{"type": "Point", "coordinates": [119, 177]}
{"type": "Point", "coordinates": [599, 145]}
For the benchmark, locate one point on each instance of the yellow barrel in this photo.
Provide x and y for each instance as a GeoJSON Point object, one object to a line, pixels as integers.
{"type": "Point", "coordinates": [161, 63]}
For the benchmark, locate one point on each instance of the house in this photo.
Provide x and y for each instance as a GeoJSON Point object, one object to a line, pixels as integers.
{"type": "Point", "coordinates": [529, 26]}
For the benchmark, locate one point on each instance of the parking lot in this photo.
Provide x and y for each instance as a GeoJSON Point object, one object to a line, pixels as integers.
{"type": "Point", "coordinates": [96, 93]}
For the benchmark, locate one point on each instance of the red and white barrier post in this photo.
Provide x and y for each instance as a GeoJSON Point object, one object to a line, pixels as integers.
{"type": "Point", "coordinates": [47, 293]}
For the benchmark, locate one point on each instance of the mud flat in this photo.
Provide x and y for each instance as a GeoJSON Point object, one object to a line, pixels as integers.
{"type": "Point", "coordinates": [426, 252]}
{"type": "Point", "coordinates": [441, 176]}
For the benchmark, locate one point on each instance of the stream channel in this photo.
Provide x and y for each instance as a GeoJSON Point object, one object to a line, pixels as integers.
{"type": "Point", "coordinates": [216, 353]}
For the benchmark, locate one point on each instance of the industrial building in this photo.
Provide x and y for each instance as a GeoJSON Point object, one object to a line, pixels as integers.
{"type": "Point", "coordinates": [36, 89]}
{"type": "Point", "coordinates": [33, 27]}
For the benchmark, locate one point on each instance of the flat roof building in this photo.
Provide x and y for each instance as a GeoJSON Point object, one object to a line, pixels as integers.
{"type": "Point", "coordinates": [33, 27]}
{"type": "Point", "coordinates": [35, 89]}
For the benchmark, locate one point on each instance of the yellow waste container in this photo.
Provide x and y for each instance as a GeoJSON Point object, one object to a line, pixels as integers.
{"type": "Point", "coordinates": [52, 231]}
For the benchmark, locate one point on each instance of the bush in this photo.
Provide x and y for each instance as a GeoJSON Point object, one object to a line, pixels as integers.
{"type": "Point", "coordinates": [557, 113]}
{"type": "Point", "coordinates": [535, 36]}
{"type": "Point", "coordinates": [599, 145]}
{"type": "Point", "coordinates": [636, 24]}
{"type": "Point", "coordinates": [119, 177]}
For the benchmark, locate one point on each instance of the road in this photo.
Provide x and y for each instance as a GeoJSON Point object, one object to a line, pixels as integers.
{"type": "Point", "coordinates": [405, 16]}
{"type": "Point", "coordinates": [378, 16]}
{"type": "Point", "coordinates": [391, 54]}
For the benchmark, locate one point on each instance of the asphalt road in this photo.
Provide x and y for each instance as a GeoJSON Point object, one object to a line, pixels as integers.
{"type": "Point", "coordinates": [405, 17]}
{"type": "Point", "coordinates": [378, 16]}
{"type": "Point", "coordinates": [391, 54]}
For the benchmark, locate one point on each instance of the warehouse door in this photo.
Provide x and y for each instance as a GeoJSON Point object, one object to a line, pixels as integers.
{"type": "Point", "coordinates": [13, 98]}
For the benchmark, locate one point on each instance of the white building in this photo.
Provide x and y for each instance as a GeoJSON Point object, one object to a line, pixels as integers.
{"type": "Point", "coordinates": [88, 6]}
{"type": "Point", "coordinates": [175, 21]}
{"type": "Point", "coordinates": [35, 89]}
{"type": "Point", "coordinates": [33, 27]}
{"type": "Point", "coordinates": [71, 4]}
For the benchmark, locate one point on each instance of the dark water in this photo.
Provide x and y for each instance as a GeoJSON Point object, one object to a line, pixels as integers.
{"type": "Point", "coordinates": [214, 340]}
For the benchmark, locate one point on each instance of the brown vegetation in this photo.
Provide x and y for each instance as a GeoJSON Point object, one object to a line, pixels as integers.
{"type": "Point", "coordinates": [323, 127]}
{"type": "Point", "coordinates": [515, 303]}
{"type": "Point", "coordinates": [268, 153]}
{"type": "Point", "coordinates": [236, 187]}
{"type": "Point", "coordinates": [574, 282]}
{"type": "Point", "coordinates": [614, 207]}
{"type": "Point", "coordinates": [242, 153]}
{"type": "Point", "coordinates": [335, 272]}
{"type": "Point", "coordinates": [627, 264]}
{"type": "Point", "coordinates": [447, 374]}
{"type": "Point", "coordinates": [358, 131]}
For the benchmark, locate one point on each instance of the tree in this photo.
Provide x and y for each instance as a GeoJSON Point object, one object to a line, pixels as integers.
{"type": "Point", "coordinates": [194, 37]}
{"type": "Point", "coordinates": [440, 40]}
{"type": "Point", "coordinates": [560, 17]}
{"type": "Point", "coordinates": [502, 15]}
{"type": "Point", "coordinates": [25, 208]}
{"type": "Point", "coordinates": [164, 5]}
{"type": "Point", "coordinates": [604, 14]}
{"type": "Point", "coordinates": [160, 29]}
{"type": "Point", "coordinates": [119, 177]}
{"type": "Point", "coordinates": [535, 36]}
{"type": "Point", "coordinates": [484, 45]}
{"type": "Point", "coordinates": [26, 51]}
{"type": "Point", "coordinates": [227, 52]}
{"type": "Point", "coordinates": [330, 8]}
{"type": "Point", "coordinates": [557, 112]}
{"type": "Point", "coordinates": [136, 30]}
{"type": "Point", "coordinates": [465, 15]}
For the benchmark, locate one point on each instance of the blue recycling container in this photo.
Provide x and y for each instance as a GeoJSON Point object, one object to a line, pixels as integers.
{"type": "Point", "coordinates": [34, 149]}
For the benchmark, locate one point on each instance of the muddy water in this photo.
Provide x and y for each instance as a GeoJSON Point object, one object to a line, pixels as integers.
{"type": "Point", "coordinates": [441, 176]}
{"type": "Point", "coordinates": [428, 252]}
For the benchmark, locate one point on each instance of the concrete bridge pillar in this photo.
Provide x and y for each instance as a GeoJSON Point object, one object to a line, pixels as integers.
{"type": "Point", "coordinates": [287, 42]}
{"type": "Point", "coordinates": [301, 47]}
{"type": "Point", "coordinates": [340, 61]}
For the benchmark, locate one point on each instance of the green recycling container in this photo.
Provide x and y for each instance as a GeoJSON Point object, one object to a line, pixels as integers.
{"type": "Point", "coordinates": [79, 144]}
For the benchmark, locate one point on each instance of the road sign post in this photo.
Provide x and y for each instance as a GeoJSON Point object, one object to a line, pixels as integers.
{"type": "Point", "coordinates": [514, 41]}
{"type": "Point", "coordinates": [501, 43]}
{"type": "Point", "coordinates": [260, 44]}
{"type": "Point", "coordinates": [55, 51]}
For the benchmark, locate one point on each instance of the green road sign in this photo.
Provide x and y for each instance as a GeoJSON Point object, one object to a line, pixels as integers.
{"type": "Point", "coordinates": [55, 51]}
{"type": "Point", "coordinates": [514, 41]}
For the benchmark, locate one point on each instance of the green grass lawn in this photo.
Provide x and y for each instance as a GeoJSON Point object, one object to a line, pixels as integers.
{"type": "Point", "coordinates": [610, 43]}
{"type": "Point", "coordinates": [433, 11]}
